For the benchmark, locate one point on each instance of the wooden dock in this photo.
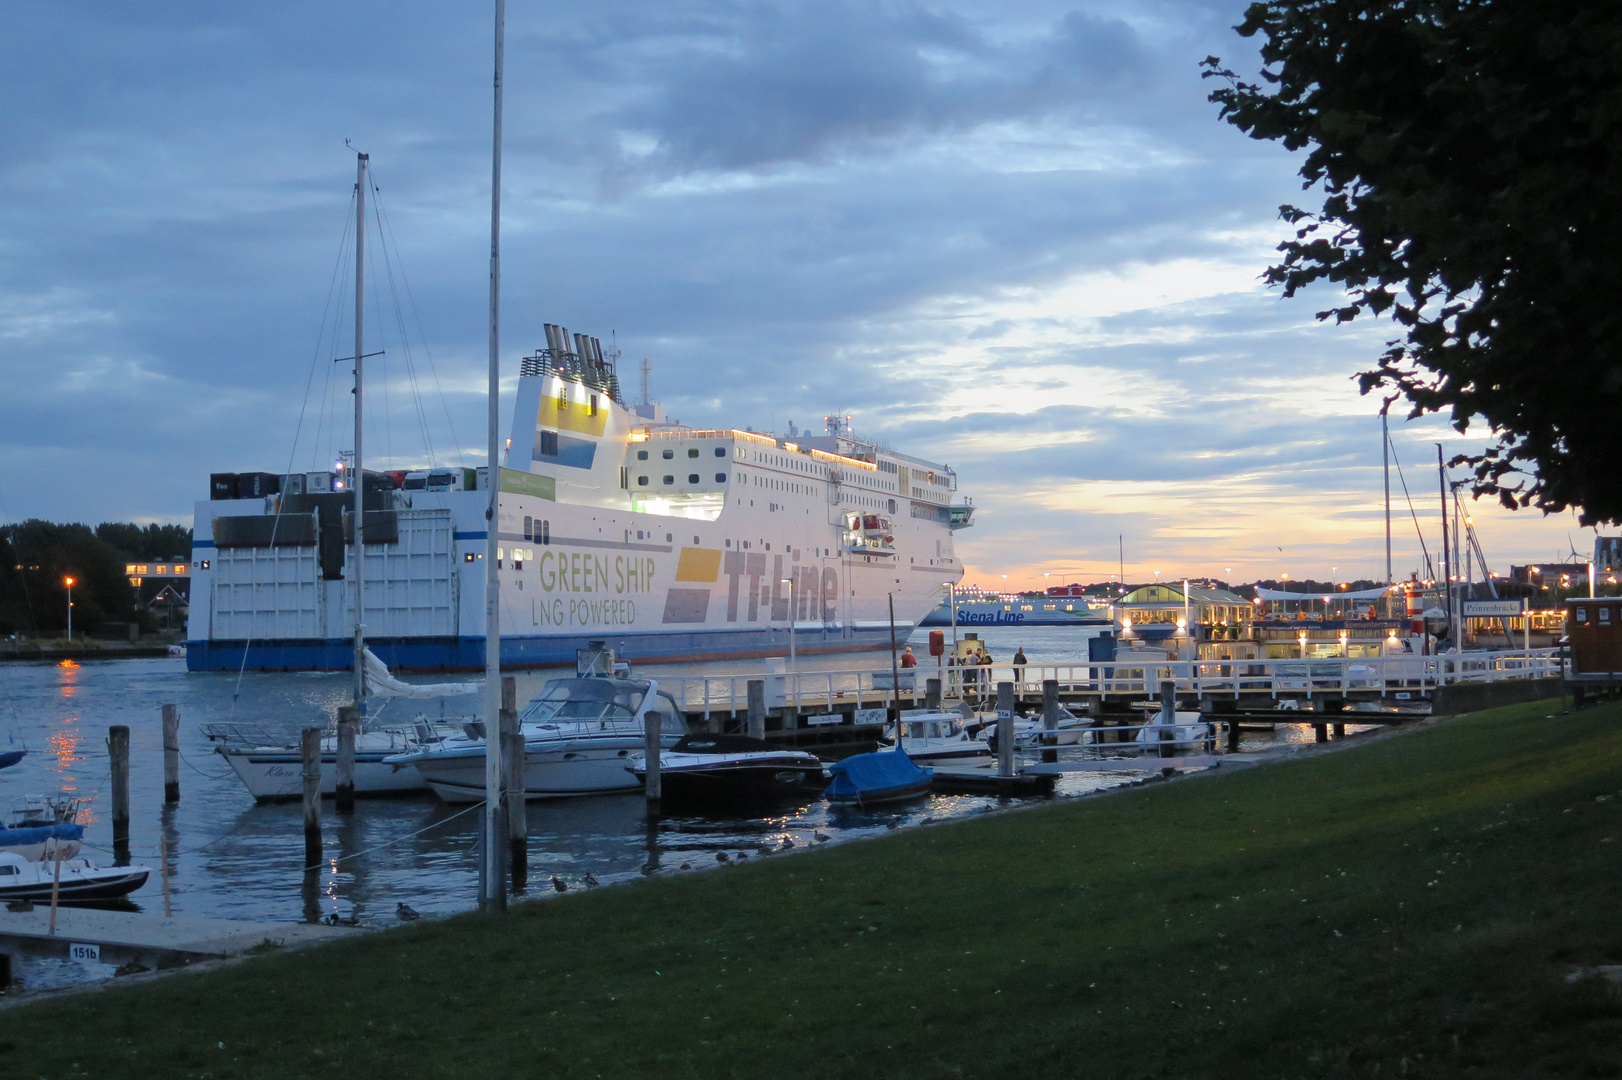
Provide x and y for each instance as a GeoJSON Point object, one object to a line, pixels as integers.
{"type": "Point", "coordinates": [148, 941]}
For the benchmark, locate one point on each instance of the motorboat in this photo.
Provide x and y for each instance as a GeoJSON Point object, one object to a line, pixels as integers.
{"type": "Point", "coordinates": [41, 824]}
{"type": "Point", "coordinates": [1178, 731]}
{"type": "Point", "coordinates": [932, 735]}
{"type": "Point", "coordinates": [11, 757]}
{"type": "Point", "coordinates": [1032, 732]}
{"type": "Point", "coordinates": [884, 776]}
{"type": "Point", "coordinates": [729, 769]}
{"type": "Point", "coordinates": [74, 881]}
{"type": "Point", "coordinates": [579, 734]}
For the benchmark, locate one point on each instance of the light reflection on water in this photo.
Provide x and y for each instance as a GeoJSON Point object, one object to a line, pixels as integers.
{"type": "Point", "coordinates": [230, 857]}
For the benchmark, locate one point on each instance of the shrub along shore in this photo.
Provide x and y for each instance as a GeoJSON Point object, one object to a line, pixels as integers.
{"type": "Point", "coordinates": [1409, 907]}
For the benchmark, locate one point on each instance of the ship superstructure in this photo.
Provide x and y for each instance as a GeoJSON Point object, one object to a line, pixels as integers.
{"type": "Point", "coordinates": [614, 524]}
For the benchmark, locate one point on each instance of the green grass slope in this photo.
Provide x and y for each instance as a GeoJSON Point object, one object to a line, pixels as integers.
{"type": "Point", "coordinates": [1408, 907]}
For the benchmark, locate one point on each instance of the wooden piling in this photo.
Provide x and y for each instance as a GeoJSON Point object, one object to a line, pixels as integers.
{"type": "Point", "coordinates": [1321, 732]}
{"type": "Point", "coordinates": [163, 862]}
{"type": "Point", "coordinates": [1050, 718]}
{"type": "Point", "coordinates": [5, 972]}
{"type": "Point", "coordinates": [344, 770]}
{"type": "Point", "coordinates": [118, 752]}
{"type": "Point", "coordinates": [1340, 731]}
{"type": "Point", "coordinates": [310, 752]}
{"type": "Point", "coordinates": [171, 754]}
{"type": "Point", "coordinates": [512, 763]}
{"type": "Point", "coordinates": [757, 708]}
{"type": "Point", "coordinates": [1005, 729]}
{"type": "Point", "coordinates": [650, 747]}
{"type": "Point", "coordinates": [932, 693]}
{"type": "Point", "coordinates": [1233, 734]}
{"type": "Point", "coordinates": [1168, 716]}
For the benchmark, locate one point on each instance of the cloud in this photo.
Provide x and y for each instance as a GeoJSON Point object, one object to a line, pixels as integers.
{"type": "Point", "coordinates": [1011, 236]}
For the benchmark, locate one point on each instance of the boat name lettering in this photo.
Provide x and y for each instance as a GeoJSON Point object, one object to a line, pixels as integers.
{"type": "Point", "coordinates": [585, 572]}
{"type": "Point", "coordinates": [560, 612]}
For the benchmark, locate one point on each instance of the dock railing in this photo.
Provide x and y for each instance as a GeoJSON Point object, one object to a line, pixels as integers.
{"type": "Point", "coordinates": [1404, 677]}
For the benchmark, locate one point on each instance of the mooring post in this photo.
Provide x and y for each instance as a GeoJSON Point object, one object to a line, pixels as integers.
{"type": "Point", "coordinates": [651, 787]}
{"type": "Point", "coordinates": [1050, 719]}
{"type": "Point", "coordinates": [1005, 730]}
{"type": "Point", "coordinates": [343, 778]}
{"type": "Point", "coordinates": [1168, 717]}
{"type": "Point", "coordinates": [1321, 732]}
{"type": "Point", "coordinates": [757, 709]}
{"type": "Point", "coordinates": [1233, 733]}
{"type": "Point", "coordinates": [1340, 731]}
{"type": "Point", "coordinates": [171, 754]}
{"type": "Point", "coordinates": [5, 972]}
{"type": "Point", "coordinates": [118, 752]}
{"type": "Point", "coordinates": [512, 761]}
{"type": "Point", "coordinates": [309, 745]}
{"type": "Point", "coordinates": [932, 693]}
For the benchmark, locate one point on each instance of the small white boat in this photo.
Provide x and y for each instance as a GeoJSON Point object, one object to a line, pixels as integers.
{"type": "Point", "coordinates": [79, 881]}
{"type": "Point", "coordinates": [1180, 731]}
{"type": "Point", "coordinates": [1031, 732]}
{"type": "Point", "coordinates": [931, 735]}
{"type": "Point", "coordinates": [42, 824]}
{"type": "Point", "coordinates": [579, 735]}
{"type": "Point", "coordinates": [273, 769]}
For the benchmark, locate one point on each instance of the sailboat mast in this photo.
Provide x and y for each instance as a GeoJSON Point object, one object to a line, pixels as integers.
{"type": "Point", "coordinates": [1385, 460]}
{"type": "Point", "coordinates": [355, 477]}
{"type": "Point", "coordinates": [494, 896]}
{"type": "Point", "coordinates": [1447, 554]}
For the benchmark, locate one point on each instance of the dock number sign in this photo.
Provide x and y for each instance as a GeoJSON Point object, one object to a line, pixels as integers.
{"type": "Point", "coordinates": [88, 954]}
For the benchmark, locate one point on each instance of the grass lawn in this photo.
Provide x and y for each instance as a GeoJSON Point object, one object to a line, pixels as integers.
{"type": "Point", "coordinates": [1408, 907]}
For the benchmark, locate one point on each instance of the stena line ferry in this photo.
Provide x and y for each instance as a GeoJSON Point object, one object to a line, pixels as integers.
{"type": "Point", "coordinates": [615, 525]}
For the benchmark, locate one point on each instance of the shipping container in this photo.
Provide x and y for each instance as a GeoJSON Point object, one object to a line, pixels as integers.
{"type": "Point", "coordinates": [293, 484]}
{"type": "Point", "coordinates": [317, 482]}
{"type": "Point", "coordinates": [257, 485]}
{"type": "Point", "coordinates": [222, 485]}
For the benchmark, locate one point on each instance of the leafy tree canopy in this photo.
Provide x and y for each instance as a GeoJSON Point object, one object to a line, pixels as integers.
{"type": "Point", "coordinates": [36, 556]}
{"type": "Point", "coordinates": [1469, 154]}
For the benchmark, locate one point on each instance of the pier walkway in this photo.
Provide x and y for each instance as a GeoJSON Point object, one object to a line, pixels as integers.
{"type": "Point", "coordinates": [1397, 687]}
{"type": "Point", "coordinates": [143, 939]}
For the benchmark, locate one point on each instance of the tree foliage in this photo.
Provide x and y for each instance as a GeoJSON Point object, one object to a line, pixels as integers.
{"type": "Point", "coordinates": [36, 556]}
{"type": "Point", "coordinates": [1469, 155]}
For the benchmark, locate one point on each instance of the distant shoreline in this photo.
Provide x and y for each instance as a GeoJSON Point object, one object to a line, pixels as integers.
{"type": "Point", "coordinates": [90, 650]}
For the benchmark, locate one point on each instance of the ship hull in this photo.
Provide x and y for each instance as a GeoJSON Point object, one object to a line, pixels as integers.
{"type": "Point", "coordinates": [467, 653]}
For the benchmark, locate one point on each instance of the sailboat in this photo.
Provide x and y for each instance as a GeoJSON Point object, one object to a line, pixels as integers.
{"type": "Point", "coordinates": [272, 768]}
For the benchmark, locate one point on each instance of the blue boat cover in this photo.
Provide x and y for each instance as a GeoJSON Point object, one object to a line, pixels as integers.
{"type": "Point", "coordinates": [11, 757]}
{"type": "Point", "coordinates": [38, 834]}
{"type": "Point", "coordinates": [869, 775]}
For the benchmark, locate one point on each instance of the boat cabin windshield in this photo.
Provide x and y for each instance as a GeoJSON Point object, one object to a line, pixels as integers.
{"type": "Point", "coordinates": [932, 729]}
{"type": "Point", "coordinates": [582, 700]}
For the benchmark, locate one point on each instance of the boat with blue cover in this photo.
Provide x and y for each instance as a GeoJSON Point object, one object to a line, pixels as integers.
{"type": "Point", "coordinates": [884, 776]}
{"type": "Point", "coordinates": [11, 757]}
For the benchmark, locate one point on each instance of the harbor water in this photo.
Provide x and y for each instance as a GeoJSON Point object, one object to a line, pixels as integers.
{"type": "Point", "coordinates": [230, 857]}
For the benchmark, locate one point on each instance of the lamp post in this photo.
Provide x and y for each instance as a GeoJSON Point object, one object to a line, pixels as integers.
{"type": "Point", "coordinates": [68, 581]}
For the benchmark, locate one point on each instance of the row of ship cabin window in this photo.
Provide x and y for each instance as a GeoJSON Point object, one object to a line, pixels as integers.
{"type": "Point", "coordinates": [692, 478]}
{"type": "Point", "coordinates": [692, 451]}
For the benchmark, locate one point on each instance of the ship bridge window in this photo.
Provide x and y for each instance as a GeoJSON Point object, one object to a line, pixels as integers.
{"type": "Point", "coordinates": [692, 478]}
{"type": "Point", "coordinates": [668, 454]}
{"type": "Point", "coordinates": [720, 478]}
{"type": "Point", "coordinates": [642, 481]}
{"type": "Point", "coordinates": [670, 479]}
{"type": "Point", "coordinates": [642, 455]}
{"type": "Point", "coordinates": [692, 451]}
{"type": "Point", "coordinates": [720, 451]}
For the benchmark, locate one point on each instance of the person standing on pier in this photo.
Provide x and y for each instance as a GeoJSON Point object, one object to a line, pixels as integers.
{"type": "Point", "coordinates": [907, 659]}
{"type": "Point", "coordinates": [1019, 667]}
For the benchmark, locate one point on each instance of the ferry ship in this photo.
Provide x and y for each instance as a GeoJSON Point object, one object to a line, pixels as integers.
{"type": "Point", "coordinates": [977, 607]}
{"type": "Point", "coordinates": [667, 542]}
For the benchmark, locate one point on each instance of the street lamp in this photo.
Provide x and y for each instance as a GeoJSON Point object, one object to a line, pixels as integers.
{"type": "Point", "coordinates": [68, 581]}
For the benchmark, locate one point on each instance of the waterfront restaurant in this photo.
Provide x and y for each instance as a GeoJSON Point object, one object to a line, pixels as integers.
{"type": "Point", "coordinates": [1173, 616]}
{"type": "Point", "coordinates": [1311, 626]}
